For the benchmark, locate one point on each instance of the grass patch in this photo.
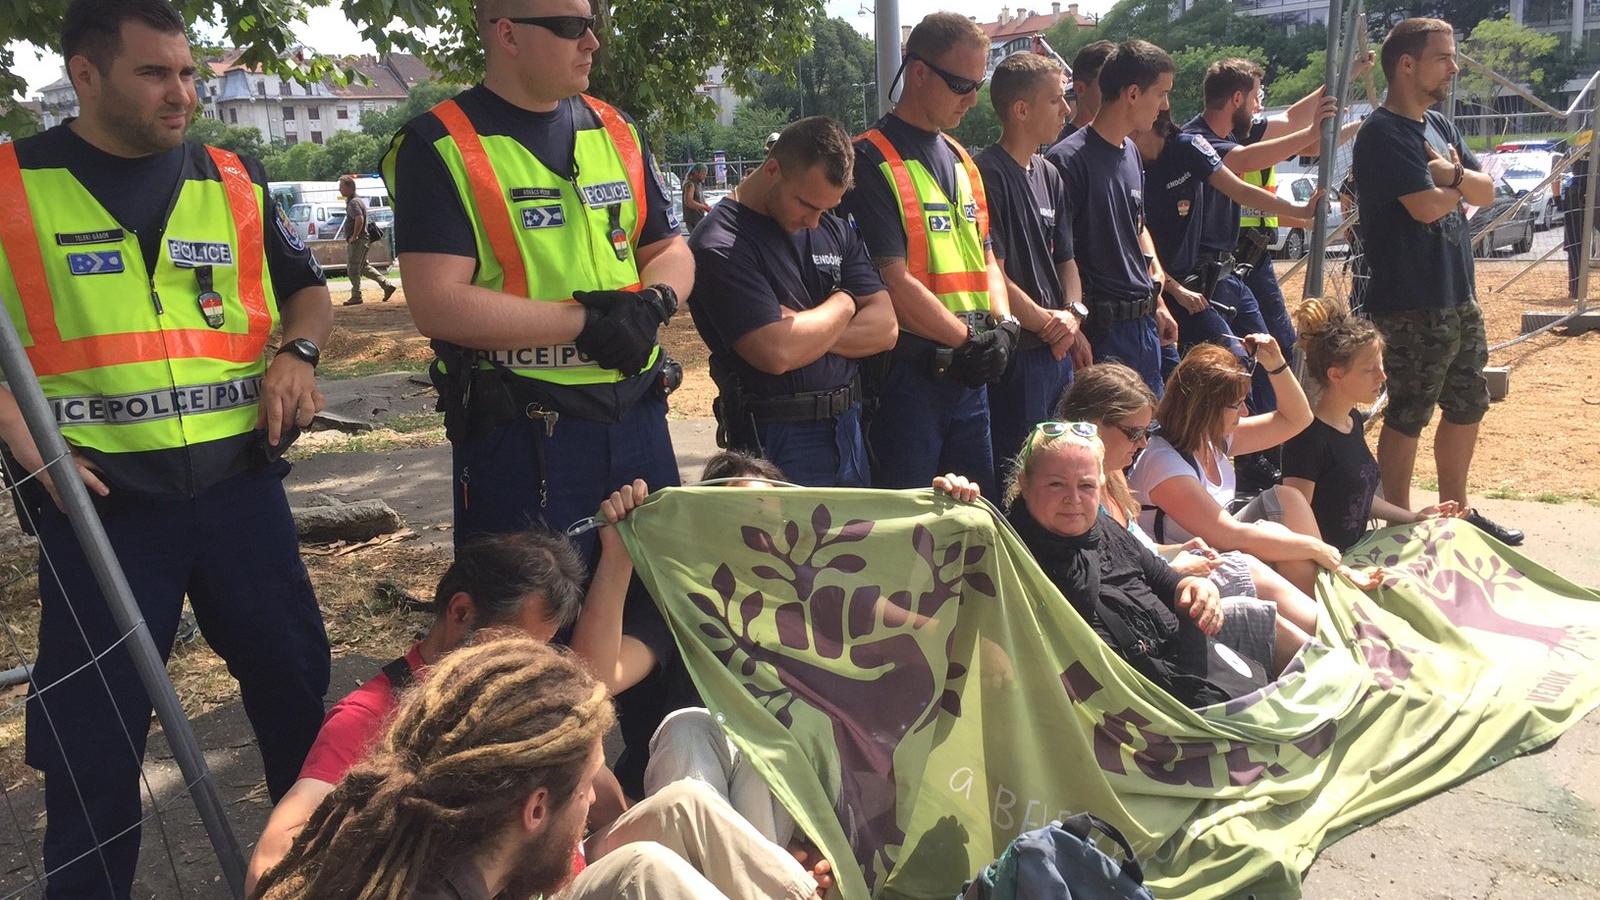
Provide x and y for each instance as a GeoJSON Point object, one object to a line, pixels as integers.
{"type": "Point", "coordinates": [411, 423]}
{"type": "Point", "coordinates": [1429, 484]}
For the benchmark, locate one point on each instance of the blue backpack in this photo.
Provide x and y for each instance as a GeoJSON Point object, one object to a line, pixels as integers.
{"type": "Point", "coordinates": [1060, 862]}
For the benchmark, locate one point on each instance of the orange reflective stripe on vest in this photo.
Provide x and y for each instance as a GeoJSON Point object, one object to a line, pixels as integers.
{"type": "Point", "coordinates": [486, 194]}
{"type": "Point", "coordinates": [51, 355]}
{"type": "Point", "coordinates": [493, 210]}
{"type": "Point", "coordinates": [975, 179]}
{"type": "Point", "coordinates": [916, 227]}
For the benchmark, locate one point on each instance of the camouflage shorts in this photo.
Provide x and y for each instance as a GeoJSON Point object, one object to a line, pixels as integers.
{"type": "Point", "coordinates": [1434, 357]}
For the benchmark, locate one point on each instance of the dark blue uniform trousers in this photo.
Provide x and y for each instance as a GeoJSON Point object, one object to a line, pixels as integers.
{"type": "Point", "coordinates": [927, 425]}
{"type": "Point", "coordinates": [498, 476]}
{"type": "Point", "coordinates": [234, 552]}
{"type": "Point", "coordinates": [1263, 282]}
{"type": "Point", "coordinates": [1211, 326]}
{"type": "Point", "coordinates": [1026, 396]}
{"type": "Point", "coordinates": [1132, 342]}
{"type": "Point", "coordinates": [825, 453]}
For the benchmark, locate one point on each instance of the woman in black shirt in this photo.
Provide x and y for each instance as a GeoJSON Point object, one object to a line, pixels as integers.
{"type": "Point", "coordinates": [1329, 461]}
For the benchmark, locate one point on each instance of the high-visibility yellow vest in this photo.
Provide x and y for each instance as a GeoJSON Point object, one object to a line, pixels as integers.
{"type": "Point", "coordinates": [541, 235]}
{"type": "Point", "coordinates": [944, 235]}
{"type": "Point", "coordinates": [134, 360]}
{"type": "Point", "coordinates": [1250, 217]}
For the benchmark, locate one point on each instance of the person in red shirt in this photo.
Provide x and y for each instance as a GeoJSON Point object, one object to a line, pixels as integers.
{"type": "Point", "coordinates": [531, 581]}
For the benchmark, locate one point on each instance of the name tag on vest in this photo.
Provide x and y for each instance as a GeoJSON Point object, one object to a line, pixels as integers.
{"type": "Point", "coordinates": [80, 238]}
{"type": "Point", "coordinates": [193, 254]}
{"type": "Point", "coordinates": [534, 193]}
{"type": "Point", "coordinates": [149, 406]}
{"type": "Point", "coordinates": [608, 193]}
{"type": "Point", "coordinates": [555, 356]}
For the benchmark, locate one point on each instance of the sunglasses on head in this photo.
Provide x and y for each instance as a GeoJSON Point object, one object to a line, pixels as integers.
{"type": "Point", "coordinates": [1248, 363]}
{"type": "Point", "coordinates": [569, 27]}
{"type": "Point", "coordinates": [957, 85]}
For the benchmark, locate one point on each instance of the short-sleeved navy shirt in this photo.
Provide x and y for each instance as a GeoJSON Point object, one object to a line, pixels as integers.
{"type": "Point", "coordinates": [1028, 222]}
{"type": "Point", "coordinates": [439, 223]}
{"type": "Point", "coordinates": [1219, 227]}
{"type": "Point", "coordinates": [1176, 196]}
{"type": "Point", "coordinates": [747, 268]}
{"type": "Point", "coordinates": [1414, 265]}
{"type": "Point", "coordinates": [137, 193]}
{"type": "Point", "coordinates": [1105, 200]}
{"type": "Point", "coordinates": [871, 201]}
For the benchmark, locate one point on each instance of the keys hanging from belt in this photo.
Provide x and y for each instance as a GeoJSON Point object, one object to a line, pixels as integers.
{"type": "Point", "coordinates": [549, 417]}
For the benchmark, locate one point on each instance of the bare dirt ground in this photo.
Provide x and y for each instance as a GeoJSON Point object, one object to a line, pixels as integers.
{"type": "Point", "coordinates": [1537, 445]}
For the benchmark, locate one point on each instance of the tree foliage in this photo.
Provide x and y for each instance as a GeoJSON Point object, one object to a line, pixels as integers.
{"type": "Point", "coordinates": [653, 56]}
{"type": "Point", "coordinates": [980, 127]}
{"type": "Point", "coordinates": [240, 139]}
{"type": "Point", "coordinates": [1463, 14]}
{"type": "Point", "coordinates": [424, 96]}
{"type": "Point", "coordinates": [1188, 83]}
{"type": "Point", "coordinates": [830, 80]}
{"type": "Point", "coordinates": [1515, 51]}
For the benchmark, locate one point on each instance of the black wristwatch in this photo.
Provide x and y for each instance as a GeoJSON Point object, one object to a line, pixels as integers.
{"type": "Point", "coordinates": [302, 349]}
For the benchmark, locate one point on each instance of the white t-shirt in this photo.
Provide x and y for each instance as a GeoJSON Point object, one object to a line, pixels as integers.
{"type": "Point", "coordinates": [1160, 462]}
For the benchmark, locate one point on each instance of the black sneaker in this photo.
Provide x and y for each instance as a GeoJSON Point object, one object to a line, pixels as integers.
{"type": "Point", "coordinates": [1511, 537]}
{"type": "Point", "coordinates": [388, 291]}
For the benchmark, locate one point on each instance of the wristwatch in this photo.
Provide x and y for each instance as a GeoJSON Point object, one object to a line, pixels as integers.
{"type": "Point", "coordinates": [303, 349]}
{"type": "Point", "coordinates": [1007, 319]}
{"type": "Point", "coordinates": [1077, 308]}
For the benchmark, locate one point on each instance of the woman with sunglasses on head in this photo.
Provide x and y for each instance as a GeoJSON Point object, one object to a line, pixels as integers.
{"type": "Point", "coordinates": [1330, 462]}
{"type": "Point", "coordinates": [1167, 625]}
{"type": "Point", "coordinates": [1112, 396]}
{"type": "Point", "coordinates": [1185, 479]}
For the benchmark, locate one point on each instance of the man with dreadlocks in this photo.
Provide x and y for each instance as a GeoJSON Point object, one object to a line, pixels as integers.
{"type": "Point", "coordinates": [481, 786]}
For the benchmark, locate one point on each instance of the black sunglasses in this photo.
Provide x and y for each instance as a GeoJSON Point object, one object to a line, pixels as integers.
{"type": "Point", "coordinates": [1134, 433]}
{"type": "Point", "coordinates": [957, 85]}
{"type": "Point", "coordinates": [568, 27]}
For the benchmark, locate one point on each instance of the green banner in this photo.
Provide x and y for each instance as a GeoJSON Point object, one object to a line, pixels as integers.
{"type": "Point", "coordinates": [917, 692]}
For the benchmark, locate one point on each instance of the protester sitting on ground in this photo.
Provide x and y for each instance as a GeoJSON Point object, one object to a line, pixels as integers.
{"type": "Point", "coordinates": [1164, 624]}
{"type": "Point", "coordinates": [1185, 480]}
{"type": "Point", "coordinates": [531, 580]}
{"type": "Point", "coordinates": [1122, 406]}
{"type": "Point", "coordinates": [481, 788]}
{"type": "Point", "coordinates": [1330, 462]}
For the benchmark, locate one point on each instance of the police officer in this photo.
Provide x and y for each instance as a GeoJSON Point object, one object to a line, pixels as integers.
{"type": "Point", "coordinates": [1085, 86]}
{"type": "Point", "coordinates": [1033, 243]}
{"type": "Point", "coordinates": [541, 256]}
{"type": "Point", "coordinates": [787, 300]}
{"type": "Point", "coordinates": [918, 200]}
{"type": "Point", "coordinates": [146, 277]}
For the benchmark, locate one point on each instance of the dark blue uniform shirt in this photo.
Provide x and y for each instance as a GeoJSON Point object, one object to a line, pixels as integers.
{"type": "Point", "coordinates": [747, 269]}
{"type": "Point", "coordinates": [1219, 225]}
{"type": "Point", "coordinates": [1105, 201]}
{"type": "Point", "coordinates": [1176, 195]}
{"type": "Point", "coordinates": [1027, 219]}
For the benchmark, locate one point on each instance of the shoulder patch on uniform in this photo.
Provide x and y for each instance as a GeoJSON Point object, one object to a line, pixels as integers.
{"type": "Point", "coordinates": [1204, 145]}
{"type": "Point", "coordinates": [99, 262]}
{"type": "Point", "coordinates": [286, 229]}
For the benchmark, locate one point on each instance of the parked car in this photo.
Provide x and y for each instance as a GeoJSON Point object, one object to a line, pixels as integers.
{"type": "Point", "coordinates": [1515, 234]}
{"type": "Point", "coordinates": [317, 221]}
{"type": "Point", "coordinates": [1292, 240]}
{"type": "Point", "coordinates": [1524, 170]}
{"type": "Point", "coordinates": [1549, 145]}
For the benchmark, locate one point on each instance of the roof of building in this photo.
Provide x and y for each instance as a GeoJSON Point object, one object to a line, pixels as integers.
{"type": "Point", "coordinates": [409, 69]}
{"type": "Point", "coordinates": [382, 81]}
{"type": "Point", "coordinates": [1028, 22]}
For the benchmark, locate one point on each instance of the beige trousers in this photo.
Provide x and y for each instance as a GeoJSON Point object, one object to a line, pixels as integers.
{"type": "Point", "coordinates": [356, 266]}
{"type": "Point", "coordinates": [718, 854]}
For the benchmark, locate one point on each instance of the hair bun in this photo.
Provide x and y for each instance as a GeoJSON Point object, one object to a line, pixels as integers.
{"type": "Point", "coordinates": [1316, 314]}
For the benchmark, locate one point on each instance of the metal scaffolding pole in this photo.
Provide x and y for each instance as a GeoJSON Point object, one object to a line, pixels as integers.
{"type": "Point", "coordinates": [1586, 241]}
{"type": "Point", "coordinates": [113, 583]}
{"type": "Point", "coordinates": [888, 45]}
{"type": "Point", "coordinates": [1342, 20]}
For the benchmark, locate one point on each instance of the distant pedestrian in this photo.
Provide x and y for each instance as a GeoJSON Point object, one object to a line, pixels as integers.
{"type": "Point", "coordinates": [357, 241]}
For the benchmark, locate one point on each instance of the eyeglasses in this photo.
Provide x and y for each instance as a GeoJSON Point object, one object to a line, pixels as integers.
{"type": "Point", "coordinates": [569, 27]}
{"type": "Point", "coordinates": [958, 85]}
{"type": "Point", "coordinates": [1134, 433]}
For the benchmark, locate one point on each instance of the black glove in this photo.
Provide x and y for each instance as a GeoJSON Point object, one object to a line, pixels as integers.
{"type": "Point", "coordinates": [619, 327]}
{"type": "Point", "coordinates": [984, 357]}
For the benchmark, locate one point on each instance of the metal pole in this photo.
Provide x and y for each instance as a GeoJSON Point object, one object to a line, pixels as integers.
{"type": "Point", "coordinates": [1330, 145]}
{"type": "Point", "coordinates": [1586, 240]}
{"type": "Point", "coordinates": [119, 597]}
{"type": "Point", "coordinates": [888, 34]}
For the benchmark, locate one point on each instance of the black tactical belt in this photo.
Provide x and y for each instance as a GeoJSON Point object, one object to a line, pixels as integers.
{"type": "Point", "coordinates": [1121, 310]}
{"type": "Point", "coordinates": [811, 406]}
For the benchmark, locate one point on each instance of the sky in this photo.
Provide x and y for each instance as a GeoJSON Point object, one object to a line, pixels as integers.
{"type": "Point", "coordinates": [328, 32]}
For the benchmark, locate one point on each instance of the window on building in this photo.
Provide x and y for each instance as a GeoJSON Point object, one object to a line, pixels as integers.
{"type": "Point", "coordinates": [288, 114]}
{"type": "Point", "coordinates": [261, 89]}
{"type": "Point", "coordinates": [344, 112]}
{"type": "Point", "coordinates": [314, 113]}
{"type": "Point", "coordinates": [233, 116]}
{"type": "Point", "coordinates": [290, 140]}
{"type": "Point", "coordinates": [283, 87]}
{"type": "Point", "coordinates": [316, 137]}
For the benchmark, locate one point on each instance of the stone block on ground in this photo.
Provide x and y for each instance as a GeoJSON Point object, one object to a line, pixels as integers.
{"type": "Point", "coordinates": [358, 521]}
{"type": "Point", "coordinates": [1499, 378]}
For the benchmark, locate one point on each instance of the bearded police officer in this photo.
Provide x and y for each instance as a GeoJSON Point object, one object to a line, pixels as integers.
{"type": "Point", "coordinates": [146, 277]}
{"type": "Point", "coordinates": [918, 200]}
{"type": "Point", "coordinates": [541, 255]}
{"type": "Point", "coordinates": [787, 300]}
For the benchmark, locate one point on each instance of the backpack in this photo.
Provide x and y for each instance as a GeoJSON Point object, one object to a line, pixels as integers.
{"type": "Point", "coordinates": [1060, 862]}
{"type": "Point", "coordinates": [374, 232]}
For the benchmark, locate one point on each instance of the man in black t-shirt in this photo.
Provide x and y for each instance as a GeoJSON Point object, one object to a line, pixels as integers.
{"type": "Point", "coordinates": [1413, 172]}
{"type": "Point", "coordinates": [1104, 176]}
{"type": "Point", "coordinates": [918, 203]}
{"type": "Point", "coordinates": [1033, 244]}
{"type": "Point", "coordinates": [787, 300]}
{"type": "Point", "coordinates": [1085, 86]}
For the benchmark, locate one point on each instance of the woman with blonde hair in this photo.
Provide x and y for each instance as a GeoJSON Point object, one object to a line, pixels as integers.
{"type": "Point", "coordinates": [1330, 463]}
{"type": "Point", "coordinates": [1185, 478]}
{"type": "Point", "coordinates": [1114, 398]}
